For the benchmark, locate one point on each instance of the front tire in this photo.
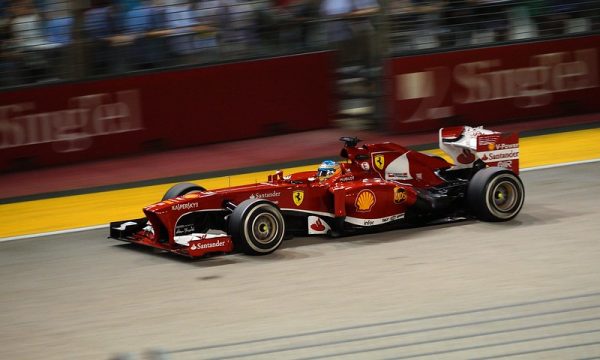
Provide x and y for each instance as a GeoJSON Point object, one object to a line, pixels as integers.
{"type": "Point", "coordinates": [256, 227]}
{"type": "Point", "coordinates": [495, 194]}
{"type": "Point", "coordinates": [182, 189]}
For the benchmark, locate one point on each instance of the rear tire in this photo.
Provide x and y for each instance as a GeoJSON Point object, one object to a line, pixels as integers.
{"type": "Point", "coordinates": [256, 227]}
{"type": "Point", "coordinates": [495, 194]}
{"type": "Point", "coordinates": [182, 189]}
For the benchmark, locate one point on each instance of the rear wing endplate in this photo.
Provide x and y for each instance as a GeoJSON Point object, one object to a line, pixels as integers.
{"type": "Point", "coordinates": [465, 145]}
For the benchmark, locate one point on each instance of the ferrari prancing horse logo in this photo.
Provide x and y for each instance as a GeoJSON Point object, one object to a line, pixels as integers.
{"type": "Point", "coordinates": [298, 196]}
{"type": "Point", "coordinates": [379, 161]}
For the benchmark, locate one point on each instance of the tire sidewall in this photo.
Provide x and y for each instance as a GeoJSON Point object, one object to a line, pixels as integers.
{"type": "Point", "coordinates": [182, 189]}
{"type": "Point", "coordinates": [241, 223]}
{"type": "Point", "coordinates": [514, 210]}
{"type": "Point", "coordinates": [480, 194]}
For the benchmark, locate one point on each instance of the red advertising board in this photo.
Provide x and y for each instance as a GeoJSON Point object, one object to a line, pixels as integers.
{"type": "Point", "coordinates": [64, 123]}
{"type": "Point", "coordinates": [495, 84]}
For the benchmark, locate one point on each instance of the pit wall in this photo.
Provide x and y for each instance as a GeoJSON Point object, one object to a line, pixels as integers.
{"type": "Point", "coordinates": [66, 123]}
{"type": "Point", "coordinates": [494, 84]}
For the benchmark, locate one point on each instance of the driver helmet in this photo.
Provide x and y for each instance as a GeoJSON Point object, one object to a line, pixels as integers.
{"type": "Point", "coordinates": [326, 169]}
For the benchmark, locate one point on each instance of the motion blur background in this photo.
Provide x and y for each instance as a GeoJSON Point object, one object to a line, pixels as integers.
{"type": "Point", "coordinates": [79, 76]}
{"type": "Point", "coordinates": [60, 40]}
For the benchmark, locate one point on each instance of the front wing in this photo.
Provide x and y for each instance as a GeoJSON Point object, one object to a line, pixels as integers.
{"type": "Point", "coordinates": [139, 231]}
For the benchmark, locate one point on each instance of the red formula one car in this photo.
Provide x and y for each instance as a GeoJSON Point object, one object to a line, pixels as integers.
{"type": "Point", "coordinates": [378, 186]}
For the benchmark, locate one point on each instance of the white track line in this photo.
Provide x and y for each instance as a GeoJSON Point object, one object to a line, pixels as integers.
{"type": "Point", "coordinates": [560, 165]}
{"type": "Point", "coordinates": [533, 168]}
{"type": "Point", "coordinates": [59, 232]}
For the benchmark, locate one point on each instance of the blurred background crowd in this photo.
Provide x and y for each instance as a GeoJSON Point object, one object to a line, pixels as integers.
{"type": "Point", "coordinates": [55, 40]}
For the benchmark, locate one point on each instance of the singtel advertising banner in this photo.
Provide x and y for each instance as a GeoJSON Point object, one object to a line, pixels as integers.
{"type": "Point", "coordinates": [495, 84]}
{"type": "Point", "coordinates": [63, 123]}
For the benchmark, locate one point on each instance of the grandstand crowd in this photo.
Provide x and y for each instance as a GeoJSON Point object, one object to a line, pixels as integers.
{"type": "Point", "coordinates": [55, 40]}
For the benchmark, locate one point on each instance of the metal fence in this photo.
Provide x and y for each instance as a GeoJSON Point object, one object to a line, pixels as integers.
{"type": "Point", "coordinates": [427, 25]}
{"type": "Point", "coordinates": [58, 40]}
{"type": "Point", "coordinates": [45, 41]}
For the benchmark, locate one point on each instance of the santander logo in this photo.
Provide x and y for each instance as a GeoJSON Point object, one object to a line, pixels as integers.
{"type": "Point", "coordinates": [466, 157]}
{"type": "Point", "coordinates": [317, 225]}
{"type": "Point", "coordinates": [209, 245]}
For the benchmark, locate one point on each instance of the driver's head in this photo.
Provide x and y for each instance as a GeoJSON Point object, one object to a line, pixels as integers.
{"type": "Point", "coordinates": [326, 169]}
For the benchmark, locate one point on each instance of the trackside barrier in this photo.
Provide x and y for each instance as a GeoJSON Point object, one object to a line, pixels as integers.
{"type": "Point", "coordinates": [495, 84]}
{"type": "Point", "coordinates": [64, 123]}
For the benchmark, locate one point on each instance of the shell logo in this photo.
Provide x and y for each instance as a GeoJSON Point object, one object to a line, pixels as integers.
{"type": "Point", "coordinates": [365, 201]}
{"type": "Point", "coordinates": [491, 146]}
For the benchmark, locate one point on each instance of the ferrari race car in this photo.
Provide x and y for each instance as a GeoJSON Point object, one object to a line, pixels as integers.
{"type": "Point", "coordinates": [376, 187]}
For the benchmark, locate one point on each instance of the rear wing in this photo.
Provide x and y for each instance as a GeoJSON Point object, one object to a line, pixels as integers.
{"type": "Point", "coordinates": [465, 145]}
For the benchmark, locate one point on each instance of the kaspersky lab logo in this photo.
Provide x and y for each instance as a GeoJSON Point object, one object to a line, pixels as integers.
{"type": "Point", "coordinates": [185, 206]}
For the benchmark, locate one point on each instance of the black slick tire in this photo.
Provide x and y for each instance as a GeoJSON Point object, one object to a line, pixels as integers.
{"type": "Point", "coordinates": [182, 189]}
{"type": "Point", "coordinates": [495, 194]}
{"type": "Point", "coordinates": [256, 227]}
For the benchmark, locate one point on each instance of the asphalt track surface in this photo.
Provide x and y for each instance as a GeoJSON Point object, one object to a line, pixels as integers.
{"type": "Point", "coordinates": [526, 289]}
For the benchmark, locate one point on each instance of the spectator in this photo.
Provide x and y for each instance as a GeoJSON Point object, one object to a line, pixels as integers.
{"type": "Point", "coordinates": [400, 25]}
{"type": "Point", "coordinates": [270, 21]}
{"type": "Point", "coordinates": [416, 24]}
{"type": "Point", "coordinates": [121, 44]}
{"type": "Point", "coordinates": [99, 27]}
{"type": "Point", "coordinates": [491, 20]}
{"type": "Point", "coordinates": [457, 17]}
{"type": "Point", "coordinates": [295, 21]}
{"type": "Point", "coordinates": [207, 13]}
{"type": "Point", "coordinates": [308, 14]}
{"type": "Point", "coordinates": [8, 58]}
{"type": "Point", "coordinates": [156, 36]}
{"type": "Point", "coordinates": [110, 47]}
{"type": "Point", "coordinates": [350, 30]}
{"type": "Point", "coordinates": [237, 26]}
{"type": "Point", "coordinates": [138, 24]}
{"type": "Point", "coordinates": [561, 17]}
{"type": "Point", "coordinates": [58, 31]}
{"type": "Point", "coordinates": [595, 14]}
{"type": "Point", "coordinates": [27, 41]}
{"type": "Point", "coordinates": [426, 17]}
{"type": "Point", "coordinates": [185, 38]}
